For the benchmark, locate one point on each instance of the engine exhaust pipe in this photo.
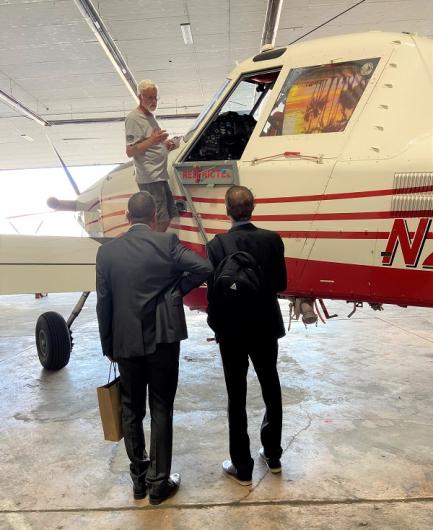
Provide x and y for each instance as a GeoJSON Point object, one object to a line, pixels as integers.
{"type": "Point", "coordinates": [302, 307]}
{"type": "Point", "coordinates": [307, 311]}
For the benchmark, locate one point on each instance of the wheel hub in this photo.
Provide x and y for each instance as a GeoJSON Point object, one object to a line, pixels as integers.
{"type": "Point", "coordinates": [43, 343]}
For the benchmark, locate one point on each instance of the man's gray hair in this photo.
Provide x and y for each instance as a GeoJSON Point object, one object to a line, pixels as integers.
{"type": "Point", "coordinates": [145, 84]}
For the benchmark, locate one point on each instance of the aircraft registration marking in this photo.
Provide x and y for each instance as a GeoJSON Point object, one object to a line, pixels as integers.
{"type": "Point", "coordinates": [411, 244]}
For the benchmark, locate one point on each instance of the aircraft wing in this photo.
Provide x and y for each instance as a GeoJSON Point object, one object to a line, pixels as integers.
{"type": "Point", "coordinates": [47, 264]}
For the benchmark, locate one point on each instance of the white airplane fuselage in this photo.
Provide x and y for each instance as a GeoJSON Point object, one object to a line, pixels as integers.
{"type": "Point", "coordinates": [340, 164]}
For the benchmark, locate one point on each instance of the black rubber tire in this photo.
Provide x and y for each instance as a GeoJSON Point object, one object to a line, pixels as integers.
{"type": "Point", "coordinates": [53, 341]}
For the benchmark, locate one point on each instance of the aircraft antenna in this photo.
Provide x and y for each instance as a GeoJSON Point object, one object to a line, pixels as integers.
{"type": "Point", "coordinates": [327, 22]}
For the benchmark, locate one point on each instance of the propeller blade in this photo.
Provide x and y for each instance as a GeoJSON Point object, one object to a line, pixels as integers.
{"type": "Point", "coordinates": [65, 167]}
{"type": "Point", "coordinates": [19, 216]}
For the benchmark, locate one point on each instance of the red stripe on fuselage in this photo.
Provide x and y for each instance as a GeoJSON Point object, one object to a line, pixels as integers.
{"type": "Point", "coordinates": [307, 198]}
{"type": "Point", "coordinates": [189, 228]}
{"type": "Point", "coordinates": [338, 216]}
{"type": "Point", "coordinates": [308, 234]}
{"type": "Point", "coordinates": [115, 227]}
{"type": "Point", "coordinates": [346, 216]}
{"type": "Point", "coordinates": [321, 197]}
{"type": "Point", "coordinates": [293, 234]}
{"type": "Point", "coordinates": [341, 281]}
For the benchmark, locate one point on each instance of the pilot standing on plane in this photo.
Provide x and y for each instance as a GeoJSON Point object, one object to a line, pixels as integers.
{"type": "Point", "coordinates": [140, 280]}
{"type": "Point", "coordinates": [148, 144]}
{"type": "Point", "coordinates": [254, 337]}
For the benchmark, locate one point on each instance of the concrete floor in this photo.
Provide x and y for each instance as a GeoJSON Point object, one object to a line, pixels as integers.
{"type": "Point", "coordinates": [357, 434]}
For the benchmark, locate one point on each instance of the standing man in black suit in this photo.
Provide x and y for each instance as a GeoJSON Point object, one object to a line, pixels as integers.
{"type": "Point", "coordinates": [140, 280]}
{"type": "Point", "coordinates": [256, 339]}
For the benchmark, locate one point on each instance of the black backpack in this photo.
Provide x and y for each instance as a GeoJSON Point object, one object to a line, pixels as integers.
{"type": "Point", "coordinates": [236, 295]}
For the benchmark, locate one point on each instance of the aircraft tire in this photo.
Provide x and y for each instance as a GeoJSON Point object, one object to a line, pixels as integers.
{"type": "Point", "coordinates": [53, 341]}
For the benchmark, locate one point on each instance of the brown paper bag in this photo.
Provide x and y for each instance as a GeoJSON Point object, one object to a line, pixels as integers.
{"type": "Point", "coordinates": [110, 410]}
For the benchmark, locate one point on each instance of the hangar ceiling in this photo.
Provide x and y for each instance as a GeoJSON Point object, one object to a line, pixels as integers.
{"type": "Point", "coordinates": [52, 62]}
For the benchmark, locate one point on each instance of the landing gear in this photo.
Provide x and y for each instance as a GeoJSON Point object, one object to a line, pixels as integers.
{"type": "Point", "coordinates": [53, 336]}
{"type": "Point", "coordinates": [53, 341]}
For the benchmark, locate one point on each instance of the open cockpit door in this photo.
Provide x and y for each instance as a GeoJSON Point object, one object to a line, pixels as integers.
{"type": "Point", "coordinates": [227, 133]}
{"type": "Point", "coordinates": [212, 157]}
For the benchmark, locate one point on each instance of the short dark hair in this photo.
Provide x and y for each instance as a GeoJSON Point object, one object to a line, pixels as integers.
{"type": "Point", "coordinates": [239, 203]}
{"type": "Point", "coordinates": [141, 207]}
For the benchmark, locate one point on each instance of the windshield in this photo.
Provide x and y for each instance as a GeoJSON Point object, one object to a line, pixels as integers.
{"type": "Point", "coordinates": [206, 110]}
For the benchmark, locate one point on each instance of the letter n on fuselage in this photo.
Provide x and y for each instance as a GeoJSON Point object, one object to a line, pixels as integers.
{"type": "Point", "coordinates": [411, 250]}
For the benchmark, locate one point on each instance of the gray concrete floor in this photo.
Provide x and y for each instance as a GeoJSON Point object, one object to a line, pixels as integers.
{"type": "Point", "coordinates": [357, 434]}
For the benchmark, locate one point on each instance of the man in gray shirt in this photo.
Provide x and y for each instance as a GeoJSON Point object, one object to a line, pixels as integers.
{"type": "Point", "coordinates": [148, 144]}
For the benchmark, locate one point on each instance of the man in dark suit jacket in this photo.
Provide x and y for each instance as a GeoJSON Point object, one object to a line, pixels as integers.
{"type": "Point", "coordinates": [255, 340]}
{"type": "Point", "coordinates": [140, 280]}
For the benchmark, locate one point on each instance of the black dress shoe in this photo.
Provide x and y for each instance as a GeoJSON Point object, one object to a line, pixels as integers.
{"type": "Point", "coordinates": [139, 486]}
{"type": "Point", "coordinates": [230, 470]}
{"type": "Point", "coordinates": [140, 492]}
{"type": "Point", "coordinates": [166, 491]}
{"type": "Point", "coordinates": [274, 464]}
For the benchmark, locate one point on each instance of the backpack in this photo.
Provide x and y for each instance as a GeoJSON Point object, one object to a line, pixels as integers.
{"type": "Point", "coordinates": [235, 299]}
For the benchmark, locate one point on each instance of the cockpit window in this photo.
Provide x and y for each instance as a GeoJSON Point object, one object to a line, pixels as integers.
{"type": "Point", "coordinates": [205, 110]}
{"type": "Point", "coordinates": [228, 132]}
{"type": "Point", "coordinates": [319, 99]}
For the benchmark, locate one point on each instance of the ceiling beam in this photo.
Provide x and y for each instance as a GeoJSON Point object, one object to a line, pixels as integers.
{"type": "Point", "coordinates": [81, 121]}
{"type": "Point", "coordinates": [22, 109]}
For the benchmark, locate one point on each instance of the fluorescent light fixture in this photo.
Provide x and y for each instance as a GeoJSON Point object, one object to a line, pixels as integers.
{"type": "Point", "coordinates": [22, 109]}
{"type": "Point", "coordinates": [186, 33]}
{"type": "Point", "coordinates": [110, 48]}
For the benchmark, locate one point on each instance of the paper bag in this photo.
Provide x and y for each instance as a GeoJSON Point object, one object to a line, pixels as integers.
{"type": "Point", "coordinates": [110, 410]}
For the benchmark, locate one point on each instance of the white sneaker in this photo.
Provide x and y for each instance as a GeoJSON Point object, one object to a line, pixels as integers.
{"type": "Point", "coordinates": [230, 470]}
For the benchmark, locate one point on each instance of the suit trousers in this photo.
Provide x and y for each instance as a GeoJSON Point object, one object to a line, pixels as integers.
{"type": "Point", "coordinates": [157, 373]}
{"type": "Point", "coordinates": [263, 354]}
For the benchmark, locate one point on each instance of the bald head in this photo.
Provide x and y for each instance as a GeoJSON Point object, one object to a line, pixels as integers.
{"type": "Point", "coordinates": [141, 208]}
{"type": "Point", "coordinates": [239, 203]}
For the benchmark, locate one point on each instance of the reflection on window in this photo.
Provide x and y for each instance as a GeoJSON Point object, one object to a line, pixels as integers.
{"type": "Point", "coordinates": [227, 134]}
{"type": "Point", "coordinates": [319, 99]}
{"type": "Point", "coordinates": [205, 110]}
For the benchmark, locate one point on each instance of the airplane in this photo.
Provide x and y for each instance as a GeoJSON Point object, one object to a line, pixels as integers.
{"type": "Point", "coordinates": [335, 139]}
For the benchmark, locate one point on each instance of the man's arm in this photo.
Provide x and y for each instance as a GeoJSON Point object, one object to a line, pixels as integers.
{"type": "Point", "coordinates": [104, 308]}
{"type": "Point", "coordinates": [135, 144]}
{"type": "Point", "coordinates": [157, 136]}
{"type": "Point", "coordinates": [214, 254]}
{"type": "Point", "coordinates": [198, 269]}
